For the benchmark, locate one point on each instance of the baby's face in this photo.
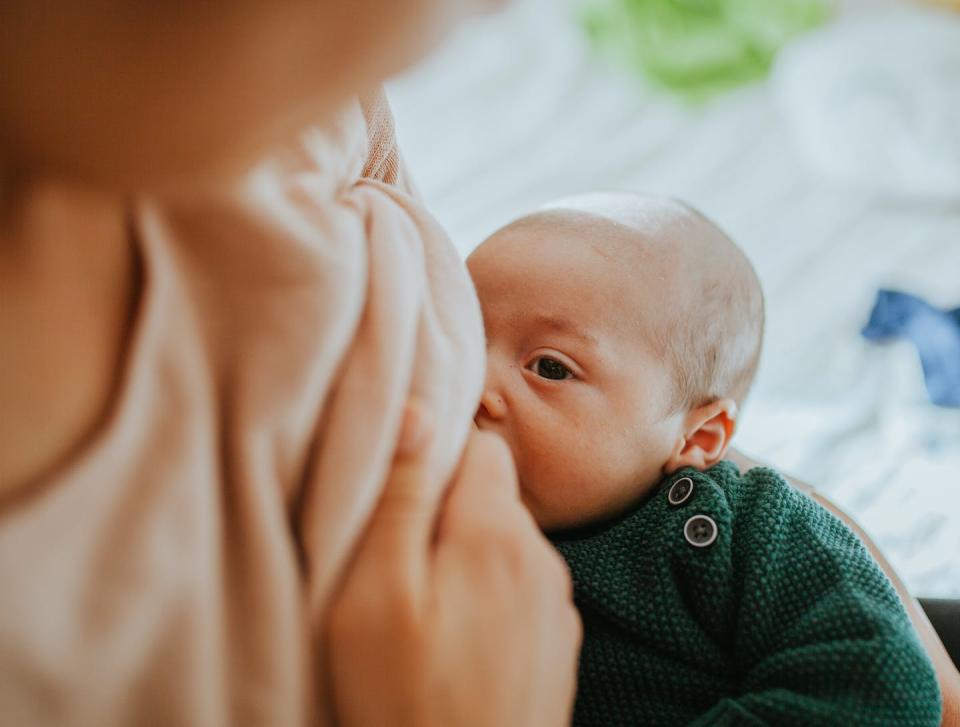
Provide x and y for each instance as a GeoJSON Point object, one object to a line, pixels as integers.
{"type": "Point", "coordinates": [575, 382]}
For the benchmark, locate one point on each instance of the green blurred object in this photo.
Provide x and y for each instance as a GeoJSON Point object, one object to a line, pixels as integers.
{"type": "Point", "coordinates": [699, 47]}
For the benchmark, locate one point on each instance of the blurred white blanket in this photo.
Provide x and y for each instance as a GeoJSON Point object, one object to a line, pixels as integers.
{"type": "Point", "coordinates": [875, 101]}
{"type": "Point", "coordinates": [515, 111]}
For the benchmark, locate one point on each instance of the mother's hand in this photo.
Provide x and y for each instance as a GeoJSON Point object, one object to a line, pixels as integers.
{"type": "Point", "coordinates": [456, 612]}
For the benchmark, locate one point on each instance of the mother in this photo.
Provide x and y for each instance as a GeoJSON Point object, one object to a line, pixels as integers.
{"type": "Point", "coordinates": [237, 479]}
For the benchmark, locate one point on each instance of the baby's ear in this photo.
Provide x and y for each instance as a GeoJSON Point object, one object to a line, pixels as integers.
{"type": "Point", "coordinates": [708, 430]}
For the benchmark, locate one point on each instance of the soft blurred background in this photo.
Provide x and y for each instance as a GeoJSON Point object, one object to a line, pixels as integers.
{"type": "Point", "coordinates": [824, 136]}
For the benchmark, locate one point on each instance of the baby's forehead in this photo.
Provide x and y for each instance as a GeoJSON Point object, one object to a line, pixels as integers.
{"type": "Point", "coordinates": [656, 255]}
{"type": "Point", "coordinates": [581, 268]}
{"type": "Point", "coordinates": [642, 234]}
{"type": "Point", "coordinates": [571, 242]}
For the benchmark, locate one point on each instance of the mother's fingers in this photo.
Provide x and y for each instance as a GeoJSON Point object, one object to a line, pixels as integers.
{"type": "Point", "coordinates": [485, 518]}
{"type": "Point", "coordinates": [398, 535]}
{"type": "Point", "coordinates": [487, 473]}
{"type": "Point", "coordinates": [482, 616]}
{"type": "Point", "coordinates": [484, 494]}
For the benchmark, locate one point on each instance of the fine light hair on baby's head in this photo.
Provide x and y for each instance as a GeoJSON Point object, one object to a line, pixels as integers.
{"type": "Point", "coordinates": [713, 335]}
{"type": "Point", "coordinates": [717, 353]}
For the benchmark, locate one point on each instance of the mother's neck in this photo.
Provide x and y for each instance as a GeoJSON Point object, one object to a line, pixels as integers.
{"type": "Point", "coordinates": [68, 282]}
{"type": "Point", "coordinates": [42, 209]}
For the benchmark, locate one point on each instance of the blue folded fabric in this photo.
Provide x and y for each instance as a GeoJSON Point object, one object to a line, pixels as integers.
{"type": "Point", "coordinates": [934, 332]}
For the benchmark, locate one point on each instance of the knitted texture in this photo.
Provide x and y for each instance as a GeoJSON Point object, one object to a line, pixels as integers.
{"type": "Point", "coordinates": [783, 619]}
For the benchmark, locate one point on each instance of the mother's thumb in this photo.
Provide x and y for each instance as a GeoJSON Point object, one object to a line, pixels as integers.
{"type": "Point", "coordinates": [398, 534]}
{"type": "Point", "coordinates": [415, 429]}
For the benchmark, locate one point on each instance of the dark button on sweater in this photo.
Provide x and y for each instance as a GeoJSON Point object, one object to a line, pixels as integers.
{"type": "Point", "coordinates": [680, 491]}
{"type": "Point", "coordinates": [700, 531]}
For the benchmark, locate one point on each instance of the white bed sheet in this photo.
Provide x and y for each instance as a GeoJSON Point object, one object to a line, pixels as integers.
{"type": "Point", "coordinates": [515, 111]}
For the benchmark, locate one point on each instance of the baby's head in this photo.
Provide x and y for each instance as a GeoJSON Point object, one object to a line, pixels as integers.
{"type": "Point", "coordinates": [623, 332]}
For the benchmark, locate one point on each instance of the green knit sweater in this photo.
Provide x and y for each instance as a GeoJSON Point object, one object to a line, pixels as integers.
{"type": "Point", "coordinates": [767, 611]}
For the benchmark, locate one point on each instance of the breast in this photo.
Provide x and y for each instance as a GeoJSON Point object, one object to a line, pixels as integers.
{"type": "Point", "coordinates": [180, 566]}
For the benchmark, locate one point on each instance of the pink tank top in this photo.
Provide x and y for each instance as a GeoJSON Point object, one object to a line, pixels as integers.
{"type": "Point", "coordinates": [177, 570]}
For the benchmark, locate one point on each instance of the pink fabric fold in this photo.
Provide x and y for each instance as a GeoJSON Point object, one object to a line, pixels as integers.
{"type": "Point", "coordinates": [179, 569]}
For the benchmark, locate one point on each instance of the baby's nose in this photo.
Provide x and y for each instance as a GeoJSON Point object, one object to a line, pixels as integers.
{"type": "Point", "coordinates": [492, 406]}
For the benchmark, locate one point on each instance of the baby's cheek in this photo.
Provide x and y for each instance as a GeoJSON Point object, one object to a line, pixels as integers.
{"type": "Point", "coordinates": [571, 483]}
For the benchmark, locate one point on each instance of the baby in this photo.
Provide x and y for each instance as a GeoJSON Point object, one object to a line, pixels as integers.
{"type": "Point", "coordinates": [623, 334]}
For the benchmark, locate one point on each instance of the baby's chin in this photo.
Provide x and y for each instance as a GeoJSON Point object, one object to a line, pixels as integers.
{"type": "Point", "coordinates": [541, 516]}
{"type": "Point", "coordinates": [552, 516]}
{"type": "Point", "coordinates": [558, 506]}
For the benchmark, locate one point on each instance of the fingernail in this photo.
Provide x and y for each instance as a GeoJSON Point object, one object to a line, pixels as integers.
{"type": "Point", "coordinates": [414, 428]}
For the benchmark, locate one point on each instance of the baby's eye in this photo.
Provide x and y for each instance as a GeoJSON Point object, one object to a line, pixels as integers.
{"type": "Point", "coordinates": [550, 368]}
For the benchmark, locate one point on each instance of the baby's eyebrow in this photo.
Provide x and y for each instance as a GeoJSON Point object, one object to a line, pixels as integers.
{"type": "Point", "coordinates": [565, 326]}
